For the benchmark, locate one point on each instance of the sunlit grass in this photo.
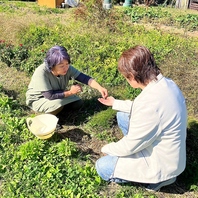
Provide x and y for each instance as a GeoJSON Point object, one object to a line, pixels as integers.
{"type": "Point", "coordinates": [63, 166]}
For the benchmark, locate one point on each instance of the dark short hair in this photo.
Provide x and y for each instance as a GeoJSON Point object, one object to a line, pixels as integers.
{"type": "Point", "coordinates": [138, 62]}
{"type": "Point", "coordinates": [55, 56]}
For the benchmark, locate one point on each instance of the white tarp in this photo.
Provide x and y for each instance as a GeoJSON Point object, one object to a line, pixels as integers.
{"type": "Point", "coordinates": [72, 3]}
{"type": "Point", "coordinates": [182, 4]}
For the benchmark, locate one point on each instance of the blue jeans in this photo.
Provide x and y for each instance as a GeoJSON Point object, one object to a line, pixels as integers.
{"type": "Point", "coordinates": [105, 166]}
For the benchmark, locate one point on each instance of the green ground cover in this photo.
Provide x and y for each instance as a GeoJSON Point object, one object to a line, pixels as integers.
{"type": "Point", "coordinates": [63, 166]}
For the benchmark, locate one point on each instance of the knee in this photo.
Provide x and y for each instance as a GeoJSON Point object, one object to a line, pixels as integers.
{"type": "Point", "coordinates": [118, 114]}
{"type": "Point", "coordinates": [121, 115]}
{"type": "Point", "coordinates": [101, 169]}
{"type": "Point", "coordinates": [105, 166]}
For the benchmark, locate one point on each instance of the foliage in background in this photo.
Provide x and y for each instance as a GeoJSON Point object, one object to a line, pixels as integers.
{"type": "Point", "coordinates": [95, 38]}
{"type": "Point", "coordinates": [95, 55]}
{"type": "Point", "coordinates": [160, 15]}
{"type": "Point", "coordinates": [190, 21]}
{"type": "Point", "coordinates": [138, 13]}
{"type": "Point", "coordinates": [13, 55]}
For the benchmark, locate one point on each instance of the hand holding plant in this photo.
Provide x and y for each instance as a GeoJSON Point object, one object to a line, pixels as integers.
{"type": "Point", "coordinates": [76, 89]}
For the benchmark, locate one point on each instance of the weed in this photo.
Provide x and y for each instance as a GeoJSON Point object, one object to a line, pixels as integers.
{"type": "Point", "coordinates": [102, 119]}
{"type": "Point", "coordinates": [11, 55]}
{"type": "Point", "coordinates": [154, 15]}
{"type": "Point", "coordinates": [95, 38]}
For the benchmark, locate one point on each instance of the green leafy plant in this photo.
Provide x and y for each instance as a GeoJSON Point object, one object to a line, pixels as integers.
{"type": "Point", "coordinates": [154, 15]}
{"type": "Point", "coordinates": [35, 35]}
{"type": "Point", "coordinates": [64, 165]}
{"type": "Point", "coordinates": [21, 54]}
{"type": "Point", "coordinates": [11, 55]}
{"type": "Point", "coordinates": [36, 57]}
{"type": "Point", "coordinates": [137, 13]}
{"type": "Point", "coordinates": [101, 122]}
{"type": "Point", "coordinates": [189, 21]}
{"type": "Point", "coordinates": [6, 53]}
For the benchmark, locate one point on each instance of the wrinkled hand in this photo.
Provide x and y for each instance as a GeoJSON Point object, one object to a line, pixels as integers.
{"type": "Point", "coordinates": [108, 101]}
{"type": "Point", "coordinates": [103, 92]}
{"type": "Point", "coordinates": [76, 89]}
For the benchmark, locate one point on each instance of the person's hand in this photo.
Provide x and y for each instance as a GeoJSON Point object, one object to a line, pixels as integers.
{"type": "Point", "coordinates": [108, 101]}
{"type": "Point", "coordinates": [76, 89]}
{"type": "Point", "coordinates": [92, 83]}
{"type": "Point", "coordinates": [103, 92]}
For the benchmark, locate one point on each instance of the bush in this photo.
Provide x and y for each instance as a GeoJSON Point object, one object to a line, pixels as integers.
{"type": "Point", "coordinates": [13, 56]}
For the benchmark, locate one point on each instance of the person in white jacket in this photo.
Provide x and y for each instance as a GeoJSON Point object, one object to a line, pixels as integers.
{"type": "Point", "coordinates": [153, 148]}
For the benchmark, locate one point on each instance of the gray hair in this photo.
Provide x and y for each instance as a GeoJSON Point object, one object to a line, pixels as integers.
{"type": "Point", "coordinates": [55, 56]}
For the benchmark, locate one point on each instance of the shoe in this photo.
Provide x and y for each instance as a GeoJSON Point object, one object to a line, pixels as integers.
{"type": "Point", "coordinates": [156, 187]}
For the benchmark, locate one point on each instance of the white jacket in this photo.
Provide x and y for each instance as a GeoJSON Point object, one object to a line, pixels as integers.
{"type": "Point", "coordinates": [155, 148]}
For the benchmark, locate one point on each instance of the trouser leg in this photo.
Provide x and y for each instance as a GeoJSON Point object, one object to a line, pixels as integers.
{"type": "Point", "coordinates": [123, 122]}
{"type": "Point", "coordinates": [105, 167]}
{"type": "Point", "coordinates": [57, 111]}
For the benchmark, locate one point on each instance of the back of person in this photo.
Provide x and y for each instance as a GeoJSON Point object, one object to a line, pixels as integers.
{"type": "Point", "coordinates": [161, 110]}
{"type": "Point", "coordinates": [169, 102]}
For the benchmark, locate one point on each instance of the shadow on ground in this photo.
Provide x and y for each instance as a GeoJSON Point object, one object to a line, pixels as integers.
{"type": "Point", "coordinates": [77, 117]}
{"type": "Point", "coordinates": [88, 147]}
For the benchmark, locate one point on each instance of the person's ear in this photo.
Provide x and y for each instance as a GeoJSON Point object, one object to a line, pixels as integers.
{"type": "Point", "coordinates": [130, 76]}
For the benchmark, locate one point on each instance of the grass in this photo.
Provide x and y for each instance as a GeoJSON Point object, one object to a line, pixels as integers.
{"type": "Point", "coordinates": [63, 166]}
